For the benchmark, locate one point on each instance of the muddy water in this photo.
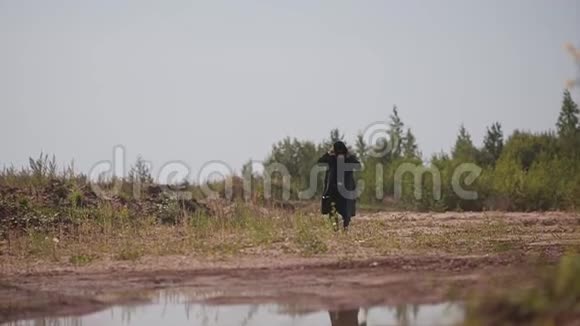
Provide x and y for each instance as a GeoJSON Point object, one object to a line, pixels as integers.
{"type": "Point", "coordinates": [169, 308]}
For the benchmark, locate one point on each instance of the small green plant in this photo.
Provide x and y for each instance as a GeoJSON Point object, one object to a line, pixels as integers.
{"type": "Point", "coordinates": [81, 259]}
{"type": "Point", "coordinates": [39, 243]}
{"type": "Point", "coordinates": [129, 253]}
{"type": "Point", "coordinates": [309, 236]}
{"type": "Point", "coordinates": [42, 168]}
{"type": "Point", "coordinates": [311, 244]}
{"type": "Point", "coordinates": [261, 231]}
{"type": "Point", "coordinates": [75, 198]}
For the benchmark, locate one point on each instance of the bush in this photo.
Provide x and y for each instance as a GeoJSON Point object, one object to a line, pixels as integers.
{"type": "Point", "coordinates": [555, 301]}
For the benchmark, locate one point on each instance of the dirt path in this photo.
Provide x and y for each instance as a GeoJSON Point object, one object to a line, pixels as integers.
{"type": "Point", "coordinates": [318, 282]}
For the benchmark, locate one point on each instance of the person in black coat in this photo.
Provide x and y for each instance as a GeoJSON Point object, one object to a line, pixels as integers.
{"type": "Point", "coordinates": [339, 195]}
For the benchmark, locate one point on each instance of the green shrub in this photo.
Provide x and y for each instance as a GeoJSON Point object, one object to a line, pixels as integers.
{"type": "Point", "coordinates": [555, 301]}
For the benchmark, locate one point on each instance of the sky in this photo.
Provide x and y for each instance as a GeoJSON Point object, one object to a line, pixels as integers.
{"type": "Point", "coordinates": [197, 81]}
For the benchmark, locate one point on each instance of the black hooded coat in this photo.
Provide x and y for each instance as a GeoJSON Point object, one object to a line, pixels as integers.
{"type": "Point", "coordinates": [339, 183]}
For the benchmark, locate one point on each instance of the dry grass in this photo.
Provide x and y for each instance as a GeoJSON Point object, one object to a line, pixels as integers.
{"type": "Point", "coordinates": [277, 233]}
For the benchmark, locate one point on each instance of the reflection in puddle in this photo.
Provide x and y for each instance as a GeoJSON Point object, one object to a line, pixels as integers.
{"type": "Point", "coordinates": [177, 309]}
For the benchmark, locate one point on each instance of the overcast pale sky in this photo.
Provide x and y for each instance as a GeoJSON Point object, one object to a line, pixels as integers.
{"type": "Point", "coordinates": [223, 80]}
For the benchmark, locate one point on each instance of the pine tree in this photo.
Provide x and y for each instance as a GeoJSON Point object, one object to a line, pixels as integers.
{"type": "Point", "coordinates": [247, 170]}
{"type": "Point", "coordinates": [493, 144]}
{"type": "Point", "coordinates": [463, 149]}
{"type": "Point", "coordinates": [336, 136]}
{"type": "Point", "coordinates": [140, 172]}
{"type": "Point", "coordinates": [410, 148]}
{"type": "Point", "coordinates": [396, 133]}
{"type": "Point", "coordinates": [361, 147]}
{"type": "Point", "coordinates": [567, 124]}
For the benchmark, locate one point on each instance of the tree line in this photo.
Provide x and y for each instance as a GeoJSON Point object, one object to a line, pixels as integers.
{"type": "Point", "coordinates": [524, 171]}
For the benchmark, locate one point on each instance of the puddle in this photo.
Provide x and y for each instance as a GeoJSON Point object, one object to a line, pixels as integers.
{"type": "Point", "coordinates": [176, 309]}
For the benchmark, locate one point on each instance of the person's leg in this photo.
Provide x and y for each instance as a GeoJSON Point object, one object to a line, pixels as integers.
{"type": "Point", "coordinates": [346, 221]}
{"type": "Point", "coordinates": [343, 210]}
{"type": "Point", "coordinates": [333, 216]}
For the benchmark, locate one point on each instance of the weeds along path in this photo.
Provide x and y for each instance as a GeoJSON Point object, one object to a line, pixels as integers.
{"type": "Point", "coordinates": [385, 258]}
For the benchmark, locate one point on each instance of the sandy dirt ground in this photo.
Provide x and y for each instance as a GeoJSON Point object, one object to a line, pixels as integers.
{"type": "Point", "coordinates": [28, 290]}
